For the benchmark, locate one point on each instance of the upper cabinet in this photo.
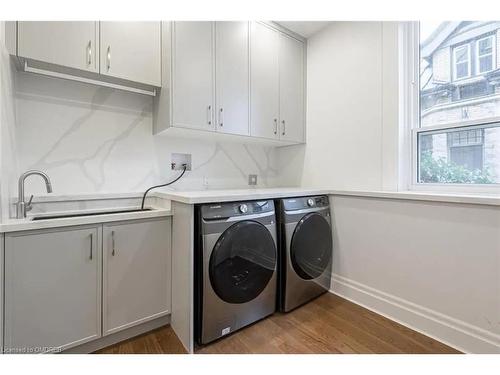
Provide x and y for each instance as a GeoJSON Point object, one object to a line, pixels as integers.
{"type": "Point", "coordinates": [193, 75]}
{"type": "Point", "coordinates": [228, 79]}
{"type": "Point", "coordinates": [265, 81]}
{"type": "Point", "coordinates": [292, 95]}
{"type": "Point", "coordinates": [70, 44]}
{"type": "Point", "coordinates": [124, 55]}
{"type": "Point", "coordinates": [210, 76]}
{"type": "Point", "coordinates": [232, 80]}
{"type": "Point", "coordinates": [238, 78]}
{"type": "Point", "coordinates": [277, 85]}
{"type": "Point", "coordinates": [131, 51]}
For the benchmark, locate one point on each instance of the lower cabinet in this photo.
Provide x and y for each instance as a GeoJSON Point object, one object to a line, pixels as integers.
{"type": "Point", "coordinates": [56, 279]}
{"type": "Point", "coordinates": [136, 281]}
{"type": "Point", "coordinates": [52, 290]}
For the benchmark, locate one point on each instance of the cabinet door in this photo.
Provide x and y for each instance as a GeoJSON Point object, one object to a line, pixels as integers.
{"type": "Point", "coordinates": [131, 51]}
{"type": "Point", "coordinates": [52, 290]}
{"type": "Point", "coordinates": [1, 291]}
{"type": "Point", "coordinates": [264, 84]}
{"type": "Point", "coordinates": [232, 91]}
{"type": "Point", "coordinates": [193, 71]}
{"type": "Point", "coordinates": [70, 44]}
{"type": "Point", "coordinates": [136, 281]}
{"type": "Point", "coordinates": [291, 61]}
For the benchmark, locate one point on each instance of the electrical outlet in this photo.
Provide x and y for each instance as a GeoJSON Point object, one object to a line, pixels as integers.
{"type": "Point", "coordinates": [178, 160]}
{"type": "Point", "coordinates": [252, 179]}
{"type": "Point", "coordinates": [205, 181]}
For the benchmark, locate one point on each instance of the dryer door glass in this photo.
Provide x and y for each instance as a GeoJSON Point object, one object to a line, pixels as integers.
{"type": "Point", "coordinates": [242, 262]}
{"type": "Point", "coordinates": [311, 246]}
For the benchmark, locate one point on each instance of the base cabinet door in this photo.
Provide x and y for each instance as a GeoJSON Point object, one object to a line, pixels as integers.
{"type": "Point", "coordinates": [52, 290]}
{"type": "Point", "coordinates": [136, 273]}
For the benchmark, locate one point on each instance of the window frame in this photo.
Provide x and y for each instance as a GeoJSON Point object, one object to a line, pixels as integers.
{"type": "Point", "coordinates": [409, 118]}
{"type": "Point", "coordinates": [493, 54]}
{"type": "Point", "coordinates": [469, 61]}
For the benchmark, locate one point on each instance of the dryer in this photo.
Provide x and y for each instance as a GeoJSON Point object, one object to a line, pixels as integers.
{"type": "Point", "coordinates": [306, 245]}
{"type": "Point", "coordinates": [235, 267]}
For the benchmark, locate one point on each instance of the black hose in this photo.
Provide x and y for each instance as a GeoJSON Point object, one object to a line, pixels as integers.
{"type": "Point", "coordinates": [158, 186]}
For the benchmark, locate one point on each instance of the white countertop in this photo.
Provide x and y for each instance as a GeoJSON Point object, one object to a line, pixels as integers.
{"type": "Point", "coordinates": [224, 195]}
{"type": "Point", "coordinates": [229, 195]}
{"type": "Point", "coordinates": [16, 225]}
{"type": "Point", "coordinates": [481, 199]}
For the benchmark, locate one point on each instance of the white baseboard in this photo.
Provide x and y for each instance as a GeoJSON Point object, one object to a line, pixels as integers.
{"type": "Point", "coordinates": [450, 331]}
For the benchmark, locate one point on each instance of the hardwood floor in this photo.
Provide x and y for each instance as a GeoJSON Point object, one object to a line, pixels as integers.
{"type": "Point", "coordinates": [329, 324]}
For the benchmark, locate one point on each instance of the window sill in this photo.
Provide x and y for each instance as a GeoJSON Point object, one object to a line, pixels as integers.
{"type": "Point", "coordinates": [478, 199]}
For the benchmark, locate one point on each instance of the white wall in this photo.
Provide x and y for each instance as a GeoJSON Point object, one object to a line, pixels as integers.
{"type": "Point", "coordinates": [351, 106]}
{"type": "Point", "coordinates": [432, 266]}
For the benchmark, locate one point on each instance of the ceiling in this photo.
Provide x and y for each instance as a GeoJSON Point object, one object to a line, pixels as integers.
{"type": "Point", "coordinates": [304, 28]}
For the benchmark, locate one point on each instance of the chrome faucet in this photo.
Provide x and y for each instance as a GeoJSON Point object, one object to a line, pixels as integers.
{"type": "Point", "coordinates": [22, 206]}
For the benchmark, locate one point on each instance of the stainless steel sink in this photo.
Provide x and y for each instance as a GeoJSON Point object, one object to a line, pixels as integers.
{"type": "Point", "coordinates": [64, 216]}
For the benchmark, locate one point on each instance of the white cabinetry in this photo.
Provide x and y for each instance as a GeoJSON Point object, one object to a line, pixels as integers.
{"type": "Point", "coordinates": [232, 80]}
{"type": "Point", "coordinates": [264, 75]}
{"type": "Point", "coordinates": [136, 273]}
{"type": "Point", "coordinates": [124, 55]}
{"type": "Point", "coordinates": [226, 78]}
{"type": "Point", "coordinates": [1, 291]}
{"type": "Point", "coordinates": [70, 44]}
{"type": "Point", "coordinates": [131, 51]}
{"type": "Point", "coordinates": [67, 287]}
{"type": "Point", "coordinates": [210, 76]}
{"type": "Point", "coordinates": [52, 289]}
{"type": "Point", "coordinates": [192, 80]}
{"type": "Point", "coordinates": [277, 85]}
{"type": "Point", "coordinates": [292, 94]}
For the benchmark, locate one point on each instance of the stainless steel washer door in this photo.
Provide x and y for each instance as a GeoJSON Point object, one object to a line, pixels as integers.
{"type": "Point", "coordinates": [242, 262]}
{"type": "Point", "coordinates": [311, 246]}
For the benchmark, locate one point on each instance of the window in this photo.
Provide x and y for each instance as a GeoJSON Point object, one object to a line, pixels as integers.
{"type": "Point", "coordinates": [462, 61]}
{"type": "Point", "coordinates": [454, 132]}
{"type": "Point", "coordinates": [485, 55]}
{"type": "Point", "coordinates": [455, 155]}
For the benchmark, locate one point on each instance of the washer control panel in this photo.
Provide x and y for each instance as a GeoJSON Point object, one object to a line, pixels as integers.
{"type": "Point", "coordinates": [300, 203]}
{"type": "Point", "coordinates": [226, 210]}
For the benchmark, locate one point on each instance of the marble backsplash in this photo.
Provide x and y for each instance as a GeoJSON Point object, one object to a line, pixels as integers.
{"type": "Point", "coordinates": [95, 139]}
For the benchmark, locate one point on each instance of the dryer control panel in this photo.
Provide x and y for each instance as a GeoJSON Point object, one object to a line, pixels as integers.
{"type": "Point", "coordinates": [293, 204]}
{"type": "Point", "coordinates": [219, 211]}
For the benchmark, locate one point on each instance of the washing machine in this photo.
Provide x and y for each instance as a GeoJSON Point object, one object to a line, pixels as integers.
{"type": "Point", "coordinates": [306, 245]}
{"type": "Point", "coordinates": [235, 267]}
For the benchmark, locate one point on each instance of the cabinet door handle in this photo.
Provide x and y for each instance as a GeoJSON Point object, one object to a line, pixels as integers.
{"type": "Point", "coordinates": [113, 243]}
{"type": "Point", "coordinates": [91, 245]}
{"type": "Point", "coordinates": [209, 115]}
{"type": "Point", "coordinates": [89, 53]}
{"type": "Point", "coordinates": [108, 57]}
{"type": "Point", "coordinates": [275, 126]}
{"type": "Point", "coordinates": [284, 127]}
{"type": "Point", "coordinates": [221, 116]}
